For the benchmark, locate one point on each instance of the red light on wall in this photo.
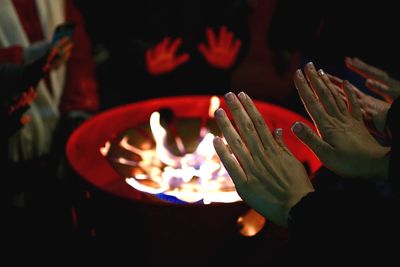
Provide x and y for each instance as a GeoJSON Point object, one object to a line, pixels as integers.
{"type": "Point", "coordinates": [222, 50]}
{"type": "Point", "coordinates": [163, 59]}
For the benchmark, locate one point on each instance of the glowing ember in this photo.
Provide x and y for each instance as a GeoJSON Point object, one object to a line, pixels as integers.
{"type": "Point", "coordinates": [191, 177]}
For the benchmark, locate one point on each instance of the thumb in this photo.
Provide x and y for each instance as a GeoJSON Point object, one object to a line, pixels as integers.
{"type": "Point", "coordinates": [312, 140]}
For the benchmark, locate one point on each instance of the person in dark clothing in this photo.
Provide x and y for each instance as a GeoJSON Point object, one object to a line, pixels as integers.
{"type": "Point", "coordinates": [339, 223]}
{"type": "Point", "coordinates": [18, 84]}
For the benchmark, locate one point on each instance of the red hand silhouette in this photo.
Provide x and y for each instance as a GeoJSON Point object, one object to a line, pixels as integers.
{"type": "Point", "coordinates": [163, 58]}
{"type": "Point", "coordinates": [222, 51]}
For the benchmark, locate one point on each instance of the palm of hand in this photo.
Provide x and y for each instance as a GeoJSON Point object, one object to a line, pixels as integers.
{"type": "Point", "coordinates": [222, 50]}
{"type": "Point", "coordinates": [163, 63]}
{"type": "Point", "coordinates": [163, 58]}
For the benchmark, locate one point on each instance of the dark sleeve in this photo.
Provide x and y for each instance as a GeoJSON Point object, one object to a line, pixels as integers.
{"type": "Point", "coordinates": [315, 218]}
{"type": "Point", "coordinates": [339, 224]}
{"type": "Point", "coordinates": [16, 79]}
{"type": "Point", "coordinates": [394, 130]}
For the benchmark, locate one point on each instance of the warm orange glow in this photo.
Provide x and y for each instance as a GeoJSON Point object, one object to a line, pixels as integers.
{"type": "Point", "coordinates": [251, 223]}
{"type": "Point", "coordinates": [214, 105]}
{"type": "Point", "coordinates": [191, 177]}
{"type": "Point", "coordinates": [104, 150]}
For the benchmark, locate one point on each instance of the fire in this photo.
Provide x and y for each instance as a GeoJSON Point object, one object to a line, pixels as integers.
{"type": "Point", "coordinates": [190, 177]}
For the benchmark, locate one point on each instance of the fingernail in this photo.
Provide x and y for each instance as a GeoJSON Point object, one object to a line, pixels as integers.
{"type": "Point", "coordinates": [219, 113]}
{"type": "Point", "coordinates": [297, 127]}
{"type": "Point", "coordinates": [242, 96]}
{"type": "Point", "coordinates": [299, 74]}
{"type": "Point", "coordinates": [217, 140]}
{"type": "Point", "coordinates": [321, 72]}
{"type": "Point", "coordinates": [310, 65]}
{"type": "Point", "coordinates": [279, 132]}
{"type": "Point", "coordinates": [229, 96]}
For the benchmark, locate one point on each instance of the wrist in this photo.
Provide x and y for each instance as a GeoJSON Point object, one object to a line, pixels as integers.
{"type": "Point", "coordinates": [380, 169]}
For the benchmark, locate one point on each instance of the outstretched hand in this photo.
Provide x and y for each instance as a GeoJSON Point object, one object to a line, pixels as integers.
{"type": "Point", "coordinates": [222, 50]}
{"type": "Point", "coordinates": [163, 59]}
{"type": "Point", "coordinates": [59, 53]}
{"type": "Point", "coordinates": [266, 174]}
{"type": "Point", "coordinates": [345, 146]}
{"type": "Point", "coordinates": [377, 81]}
{"type": "Point", "coordinates": [374, 110]}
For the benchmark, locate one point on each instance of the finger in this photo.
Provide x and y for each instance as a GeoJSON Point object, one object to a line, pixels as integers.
{"type": "Point", "coordinates": [223, 32]}
{"type": "Point", "coordinates": [324, 94]}
{"type": "Point", "coordinates": [181, 59]}
{"type": "Point", "coordinates": [354, 106]}
{"type": "Point", "coordinates": [228, 40]}
{"type": "Point", "coordinates": [175, 45]}
{"type": "Point", "coordinates": [234, 140]}
{"type": "Point", "coordinates": [236, 47]}
{"type": "Point", "coordinates": [204, 50]}
{"type": "Point", "coordinates": [377, 87]}
{"type": "Point", "coordinates": [63, 59]}
{"type": "Point", "coordinates": [365, 70]}
{"type": "Point", "coordinates": [320, 148]}
{"type": "Point", "coordinates": [310, 100]}
{"type": "Point", "coordinates": [245, 125]}
{"type": "Point", "coordinates": [63, 41]}
{"type": "Point", "coordinates": [211, 38]}
{"type": "Point", "coordinates": [278, 133]}
{"type": "Point", "coordinates": [336, 80]}
{"type": "Point", "coordinates": [67, 48]}
{"type": "Point", "coordinates": [158, 49]}
{"type": "Point", "coordinates": [258, 121]}
{"type": "Point", "coordinates": [338, 85]}
{"type": "Point", "coordinates": [342, 107]}
{"type": "Point", "coordinates": [231, 165]}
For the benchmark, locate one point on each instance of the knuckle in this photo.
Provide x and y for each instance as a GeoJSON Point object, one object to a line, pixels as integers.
{"type": "Point", "coordinates": [259, 121]}
{"type": "Point", "coordinates": [248, 126]}
{"type": "Point", "coordinates": [237, 142]}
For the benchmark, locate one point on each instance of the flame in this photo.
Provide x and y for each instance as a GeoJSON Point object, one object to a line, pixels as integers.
{"type": "Point", "coordinates": [104, 150]}
{"type": "Point", "coordinates": [191, 177]}
{"type": "Point", "coordinates": [214, 105]}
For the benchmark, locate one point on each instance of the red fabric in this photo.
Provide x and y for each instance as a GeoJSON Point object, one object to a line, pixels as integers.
{"type": "Point", "coordinates": [80, 91]}
{"type": "Point", "coordinates": [11, 54]}
{"type": "Point", "coordinates": [81, 86]}
{"type": "Point", "coordinates": [28, 15]}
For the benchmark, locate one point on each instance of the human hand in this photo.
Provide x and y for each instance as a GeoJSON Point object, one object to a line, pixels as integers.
{"type": "Point", "coordinates": [221, 51]}
{"type": "Point", "coordinates": [374, 110]}
{"type": "Point", "coordinates": [23, 101]}
{"type": "Point", "coordinates": [59, 53]}
{"type": "Point", "coordinates": [345, 146]}
{"type": "Point", "coordinates": [266, 174]}
{"type": "Point", "coordinates": [15, 117]}
{"type": "Point", "coordinates": [377, 81]}
{"type": "Point", "coordinates": [163, 59]}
